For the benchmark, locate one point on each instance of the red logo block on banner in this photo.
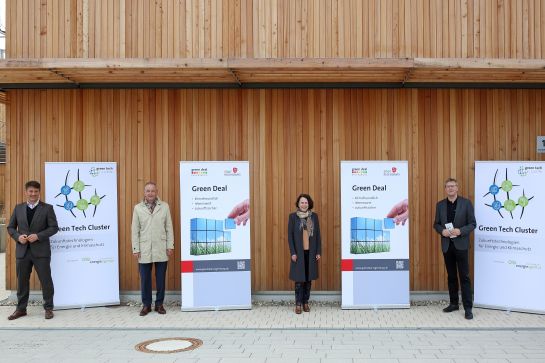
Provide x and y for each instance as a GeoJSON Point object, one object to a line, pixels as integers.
{"type": "Point", "coordinates": [186, 266]}
{"type": "Point", "coordinates": [347, 265]}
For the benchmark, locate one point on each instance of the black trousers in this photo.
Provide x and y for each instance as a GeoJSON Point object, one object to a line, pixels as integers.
{"type": "Point", "coordinates": [302, 289]}
{"type": "Point", "coordinates": [145, 282]}
{"type": "Point", "coordinates": [457, 264]}
{"type": "Point", "coordinates": [23, 267]}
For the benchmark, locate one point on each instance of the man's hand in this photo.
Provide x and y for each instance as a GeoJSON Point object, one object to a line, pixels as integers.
{"type": "Point", "coordinates": [294, 258]}
{"type": "Point", "coordinates": [170, 252]}
{"type": "Point", "coordinates": [136, 254]}
{"type": "Point", "coordinates": [456, 232]}
{"type": "Point", "coordinates": [318, 257]}
{"type": "Point", "coordinates": [23, 239]}
{"type": "Point", "coordinates": [32, 238]}
{"type": "Point", "coordinates": [445, 233]}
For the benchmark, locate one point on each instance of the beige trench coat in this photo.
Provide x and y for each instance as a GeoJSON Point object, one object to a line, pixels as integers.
{"type": "Point", "coordinates": [152, 234]}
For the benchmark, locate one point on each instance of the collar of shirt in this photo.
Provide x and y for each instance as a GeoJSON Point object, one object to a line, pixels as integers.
{"type": "Point", "coordinates": [32, 206]}
{"type": "Point", "coordinates": [151, 206]}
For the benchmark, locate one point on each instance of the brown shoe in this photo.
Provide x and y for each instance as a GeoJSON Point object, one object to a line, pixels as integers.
{"type": "Point", "coordinates": [297, 309]}
{"type": "Point", "coordinates": [145, 310]}
{"type": "Point", "coordinates": [160, 309]}
{"type": "Point", "coordinates": [306, 308]}
{"type": "Point", "coordinates": [17, 314]}
{"type": "Point", "coordinates": [48, 314]}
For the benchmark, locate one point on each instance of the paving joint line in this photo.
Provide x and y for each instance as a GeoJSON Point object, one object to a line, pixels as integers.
{"type": "Point", "coordinates": [477, 329]}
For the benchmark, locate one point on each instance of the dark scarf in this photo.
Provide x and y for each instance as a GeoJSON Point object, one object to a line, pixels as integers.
{"type": "Point", "coordinates": [305, 219]}
{"type": "Point", "coordinates": [150, 206]}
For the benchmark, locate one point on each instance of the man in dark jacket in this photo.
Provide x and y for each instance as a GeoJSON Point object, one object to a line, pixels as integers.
{"type": "Point", "coordinates": [31, 225]}
{"type": "Point", "coordinates": [454, 221]}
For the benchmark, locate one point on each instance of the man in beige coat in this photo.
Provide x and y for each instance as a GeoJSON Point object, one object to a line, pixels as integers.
{"type": "Point", "coordinates": [152, 244]}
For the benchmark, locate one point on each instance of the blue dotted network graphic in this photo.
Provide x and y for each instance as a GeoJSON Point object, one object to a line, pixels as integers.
{"type": "Point", "coordinates": [509, 204]}
{"type": "Point", "coordinates": [81, 204]}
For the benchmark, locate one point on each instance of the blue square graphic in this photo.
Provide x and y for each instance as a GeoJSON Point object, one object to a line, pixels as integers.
{"type": "Point", "coordinates": [201, 224]}
{"type": "Point", "coordinates": [211, 236]}
{"type": "Point", "coordinates": [360, 235]}
{"type": "Point", "coordinates": [353, 235]}
{"type": "Point", "coordinates": [210, 225]}
{"type": "Point", "coordinates": [230, 223]}
{"type": "Point", "coordinates": [389, 223]}
{"type": "Point", "coordinates": [360, 223]}
{"type": "Point", "coordinates": [354, 223]}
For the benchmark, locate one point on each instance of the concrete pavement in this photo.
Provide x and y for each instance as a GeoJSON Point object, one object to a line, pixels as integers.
{"type": "Point", "coordinates": [273, 333]}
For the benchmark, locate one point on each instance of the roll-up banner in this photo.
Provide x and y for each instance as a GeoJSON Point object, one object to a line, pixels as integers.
{"type": "Point", "coordinates": [374, 234]}
{"type": "Point", "coordinates": [215, 235]}
{"type": "Point", "coordinates": [510, 235]}
{"type": "Point", "coordinates": [84, 253]}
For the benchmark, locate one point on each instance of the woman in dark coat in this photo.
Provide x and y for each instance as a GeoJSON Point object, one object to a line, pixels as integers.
{"type": "Point", "coordinates": [305, 248]}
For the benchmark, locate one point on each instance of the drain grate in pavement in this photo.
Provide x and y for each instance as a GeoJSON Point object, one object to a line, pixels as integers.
{"type": "Point", "coordinates": [168, 345]}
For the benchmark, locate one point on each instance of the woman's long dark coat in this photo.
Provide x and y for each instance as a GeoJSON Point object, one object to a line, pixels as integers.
{"type": "Point", "coordinates": [295, 242]}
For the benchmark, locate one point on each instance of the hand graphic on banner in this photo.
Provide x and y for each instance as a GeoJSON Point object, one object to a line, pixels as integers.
{"type": "Point", "coordinates": [400, 212]}
{"type": "Point", "coordinates": [240, 212]}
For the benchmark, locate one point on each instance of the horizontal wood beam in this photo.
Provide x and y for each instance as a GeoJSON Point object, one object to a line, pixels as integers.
{"type": "Point", "coordinates": [279, 70]}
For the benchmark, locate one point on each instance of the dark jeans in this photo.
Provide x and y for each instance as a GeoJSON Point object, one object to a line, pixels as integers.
{"type": "Point", "coordinates": [302, 289]}
{"type": "Point", "coordinates": [23, 267]}
{"type": "Point", "coordinates": [145, 282]}
{"type": "Point", "coordinates": [457, 264]}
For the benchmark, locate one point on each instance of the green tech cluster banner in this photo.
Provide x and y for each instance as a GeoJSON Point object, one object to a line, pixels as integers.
{"type": "Point", "coordinates": [84, 253]}
{"type": "Point", "coordinates": [510, 235]}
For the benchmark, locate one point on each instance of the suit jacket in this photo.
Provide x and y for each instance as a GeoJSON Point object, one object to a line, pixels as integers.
{"type": "Point", "coordinates": [44, 224]}
{"type": "Point", "coordinates": [464, 219]}
{"type": "Point", "coordinates": [295, 243]}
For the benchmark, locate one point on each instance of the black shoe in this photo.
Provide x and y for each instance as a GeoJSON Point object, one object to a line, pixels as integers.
{"type": "Point", "coordinates": [469, 314]}
{"type": "Point", "coordinates": [451, 308]}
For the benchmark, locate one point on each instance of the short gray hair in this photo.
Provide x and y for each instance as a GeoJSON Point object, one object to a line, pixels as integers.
{"type": "Point", "coordinates": [150, 183]}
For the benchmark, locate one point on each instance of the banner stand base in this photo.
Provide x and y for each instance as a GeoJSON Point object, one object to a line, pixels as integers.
{"type": "Point", "coordinates": [218, 308]}
{"type": "Point", "coordinates": [83, 307]}
{"type": "Point", "coordinates": [375, 307]}
{"type": "Point", "coordinates": [508, 309]}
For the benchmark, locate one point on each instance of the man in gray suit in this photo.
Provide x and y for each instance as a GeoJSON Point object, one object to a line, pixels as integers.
{"type": "Point", "coordinates": [454, 221]}
{"type": "Point", "coordinates": [31, 225]}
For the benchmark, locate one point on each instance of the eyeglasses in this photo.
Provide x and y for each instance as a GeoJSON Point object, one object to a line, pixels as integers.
{"type": "Point", "coordinates": [451, 186]}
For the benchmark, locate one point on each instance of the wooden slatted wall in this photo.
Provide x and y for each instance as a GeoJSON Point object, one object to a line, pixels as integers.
{"type": "Point", "coordinates": [276, 28]}
{"type": "Point", "coordinates": [294, 140]}
{"type": "Point", "coordinates": [2, 165]}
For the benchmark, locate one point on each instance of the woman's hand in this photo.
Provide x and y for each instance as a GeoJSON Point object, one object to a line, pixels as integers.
{"type": "Point", "coordinates": [318, 257]}
{"type": "Point", "coordinates": [294, 258]}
